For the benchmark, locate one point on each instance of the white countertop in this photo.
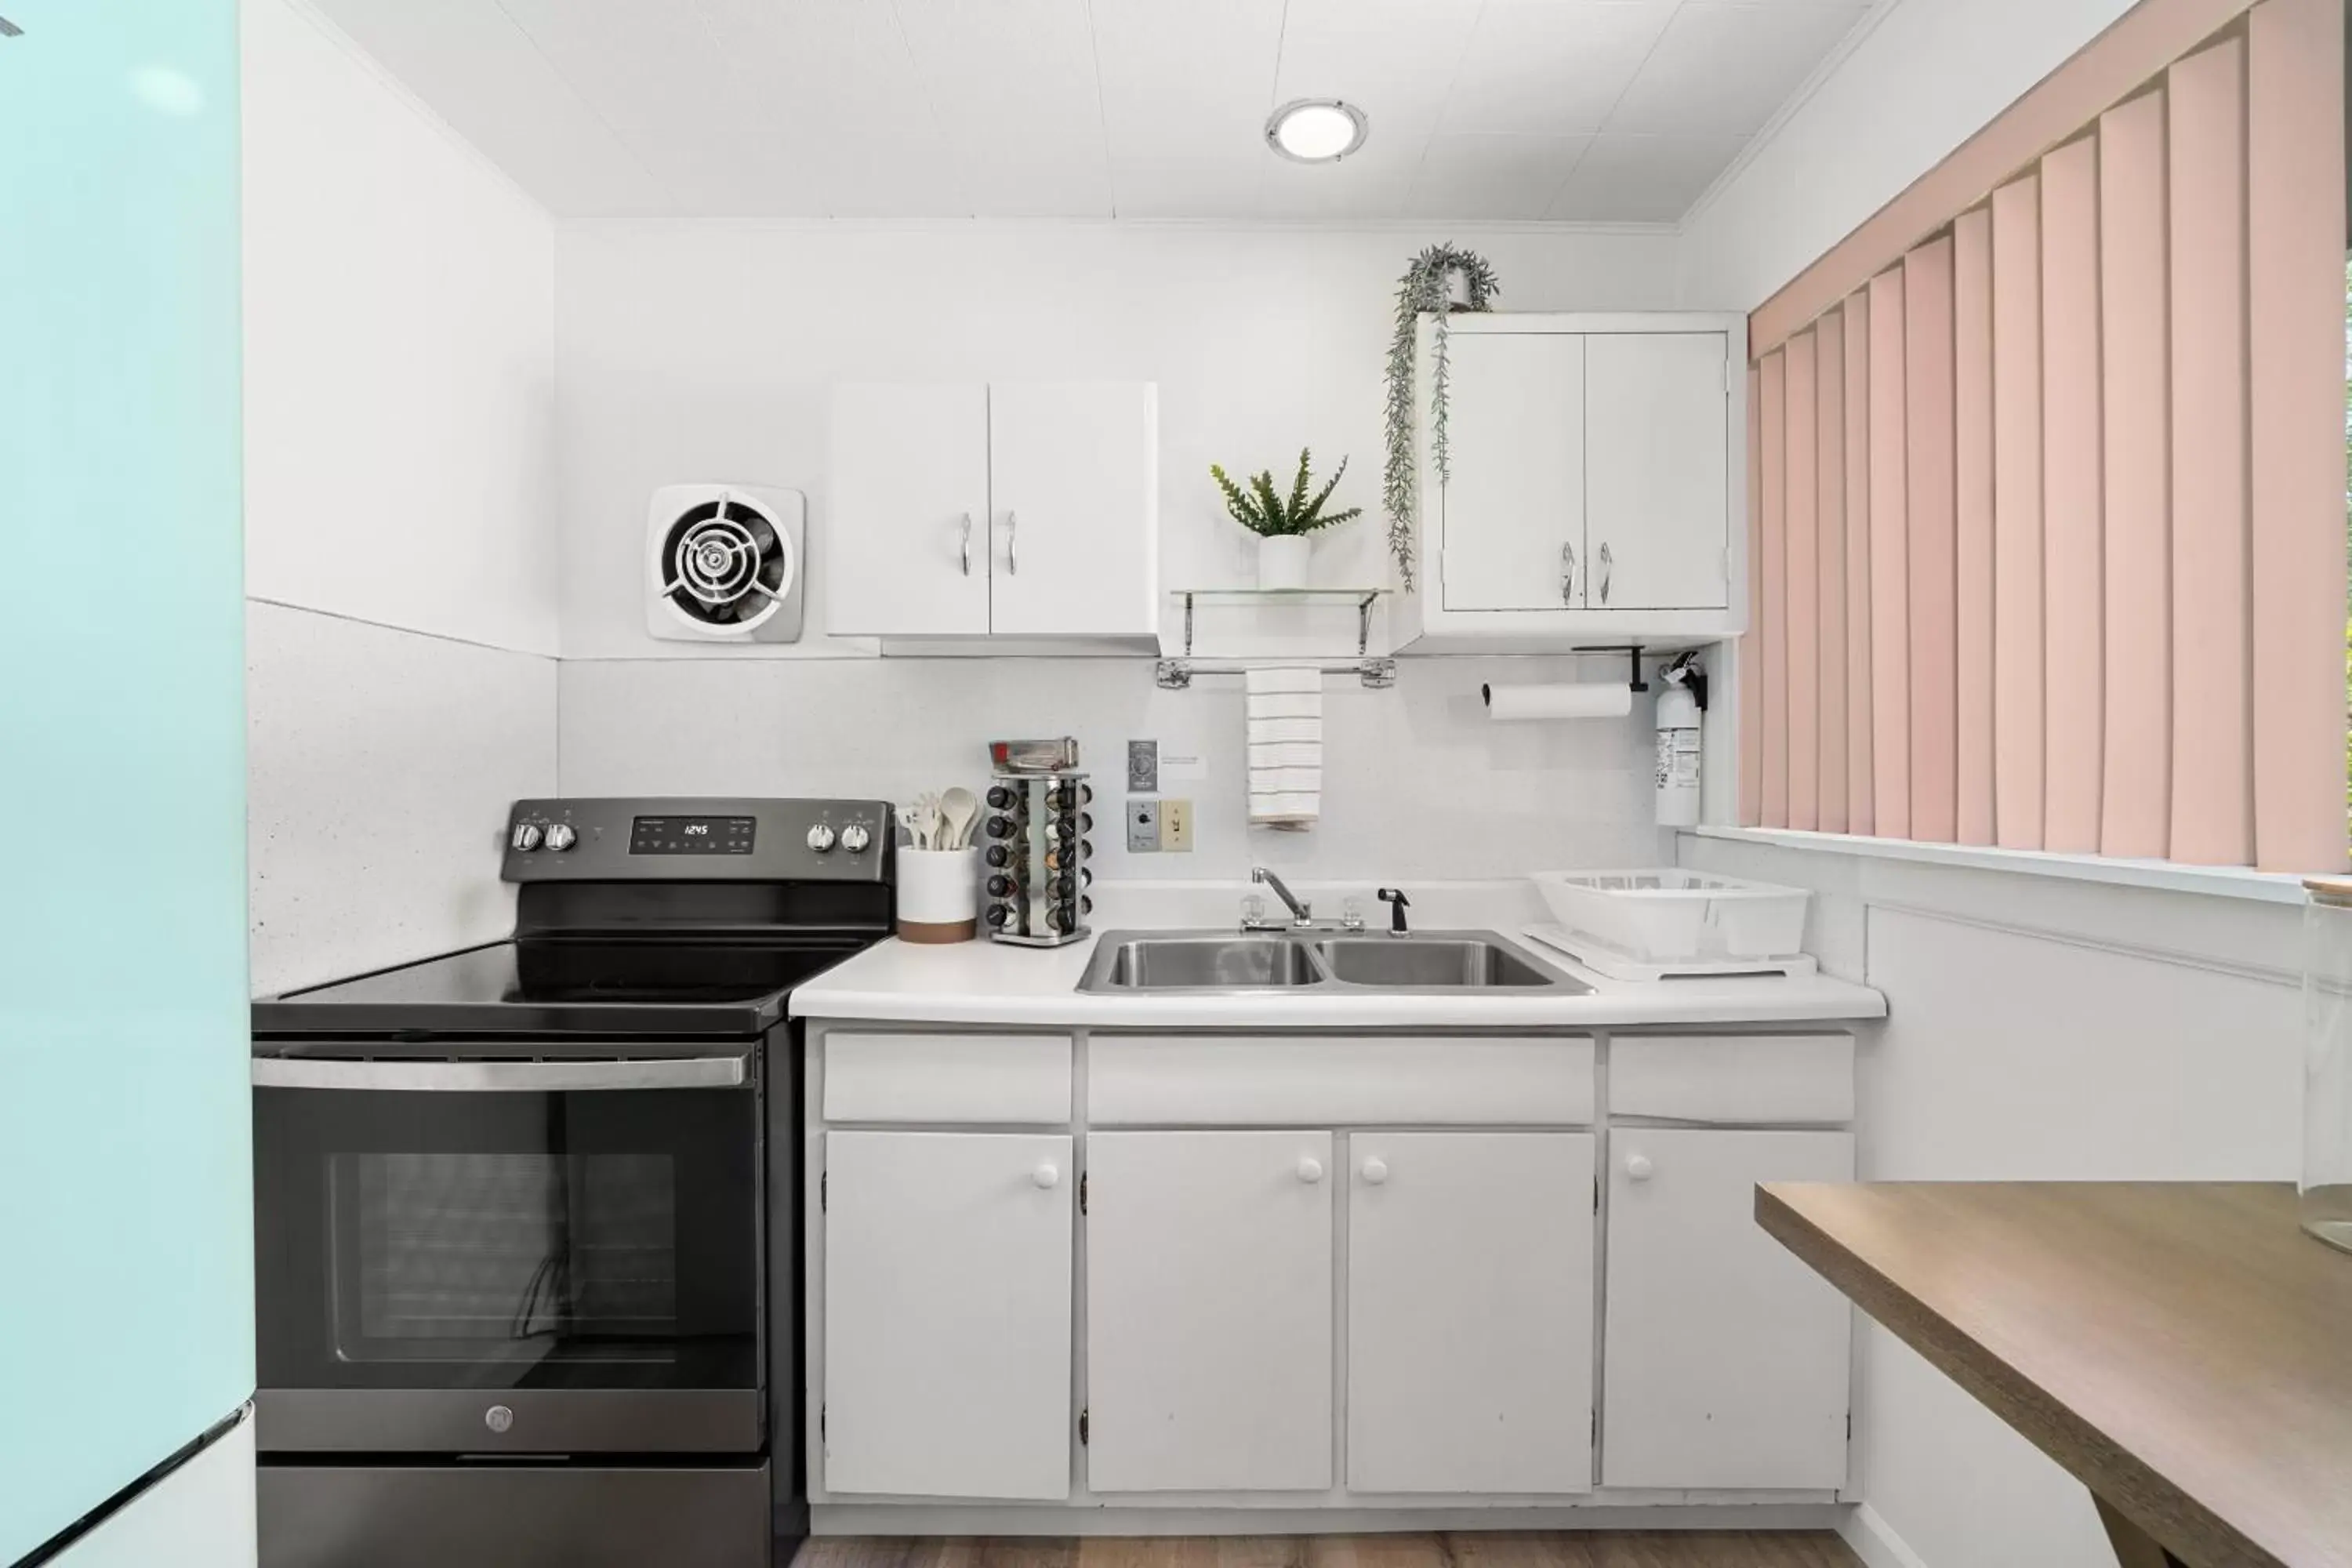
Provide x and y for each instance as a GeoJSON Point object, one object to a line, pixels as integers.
{"type": "Point", "coordinates": [985, 982]}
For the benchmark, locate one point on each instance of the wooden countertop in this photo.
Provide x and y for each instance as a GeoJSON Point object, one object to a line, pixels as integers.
{"type": "Point", "coordinates": [2183, 1349]}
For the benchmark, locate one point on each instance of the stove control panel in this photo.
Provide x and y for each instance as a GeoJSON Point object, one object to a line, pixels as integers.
{"type": "Point", "coordinates": [697, 839]}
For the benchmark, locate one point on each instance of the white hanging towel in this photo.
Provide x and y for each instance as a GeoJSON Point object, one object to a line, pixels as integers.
{"type": "Point", "coordinates": [1285, 747]}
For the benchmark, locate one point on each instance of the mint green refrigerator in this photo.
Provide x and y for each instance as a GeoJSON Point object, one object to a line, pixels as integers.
{"type": "Point", "coordinates": [126, 1245]}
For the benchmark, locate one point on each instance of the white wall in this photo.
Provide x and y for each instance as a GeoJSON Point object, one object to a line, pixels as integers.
{"type": "Point", "coordinates": [1930, 75]}
{"type": "Point", "coordinates": [1418, 784]}
{"type": "Point", "coordinates": [705, 352]}
{"type": "Point", "coordinates": [2036, 1030]}
{"type": "Point", "coordinates": [400, 521]}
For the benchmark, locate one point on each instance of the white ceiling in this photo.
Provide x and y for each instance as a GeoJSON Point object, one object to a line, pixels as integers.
{"type": "Point", "coordinates": [1526, 109]}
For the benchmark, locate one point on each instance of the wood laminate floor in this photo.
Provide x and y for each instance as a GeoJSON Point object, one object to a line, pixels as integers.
{"type": "Point", "coordinates": [1547, 1549]}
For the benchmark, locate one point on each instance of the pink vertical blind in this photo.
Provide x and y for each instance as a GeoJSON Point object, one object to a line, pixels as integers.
{"type": "Point", "coordinates": [2049, 550]}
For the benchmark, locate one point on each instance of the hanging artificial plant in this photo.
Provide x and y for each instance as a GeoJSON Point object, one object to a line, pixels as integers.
{"type": "Point", "coordinates": [1425, 286]}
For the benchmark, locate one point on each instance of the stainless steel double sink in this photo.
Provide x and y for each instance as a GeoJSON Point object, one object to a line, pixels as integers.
{"type": "Point", "coordinates": [1317, 959]}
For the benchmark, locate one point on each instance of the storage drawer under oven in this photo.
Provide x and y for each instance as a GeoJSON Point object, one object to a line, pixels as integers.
{"type": "Point", "coordinates": [514, 1516]}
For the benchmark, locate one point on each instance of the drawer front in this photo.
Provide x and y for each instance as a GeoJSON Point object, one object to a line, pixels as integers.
{"type": "Point", "coordinates": [1733, 1078]}
{"type": "Point", "coordinates": [1242, 1081]}
{"type": "Point", "coordinates": [1020, 1078]}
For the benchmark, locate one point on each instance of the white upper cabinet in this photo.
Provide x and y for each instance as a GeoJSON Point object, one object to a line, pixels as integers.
{"type": "Point", "coordinates": [1512, 521]}
{"type": "Point", "coordinates": [1024, 511]}
{"type": "Point", "coordinates": [1593, 497]}
{"type": "Point", "coordinates": [1657, 469]}
{"type": "Point", "coordinates": [908, 538]}
{"type": "Point", "coordinates": [1074, 481]}
{"type": "Point", "coordinates": [1726, 1358]}
{"type": "Point", "coordinates": [1209, 1307]}
{"type": "Point", "coordinates": [1470, 1312]}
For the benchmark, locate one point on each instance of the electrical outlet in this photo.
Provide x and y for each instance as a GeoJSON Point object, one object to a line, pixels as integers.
{"type": "Point", "coordinates": [1143, 767]}
{"type": "Point", "coordinates": [1143, 827]}
{"type": "Point", "coordinates": [1176, 826]}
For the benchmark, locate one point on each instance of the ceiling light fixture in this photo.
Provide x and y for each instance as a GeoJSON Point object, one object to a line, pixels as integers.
{"type": "Point", "coordinates": [1317, 130]}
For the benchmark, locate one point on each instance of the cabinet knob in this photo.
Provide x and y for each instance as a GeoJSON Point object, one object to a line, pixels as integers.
{"type": "Point", "coordinates": [1046, 1175]}
{"type": "Point", "coordinates": [1376, 1170]}
{"type": "Point", "coordinates": [1638, 1167]}
{"type": "Point", "coordinates": [1310, 1169]}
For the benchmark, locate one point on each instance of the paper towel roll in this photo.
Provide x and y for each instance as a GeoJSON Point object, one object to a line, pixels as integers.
{"type": "Point", "coordinates": [1587, 699]}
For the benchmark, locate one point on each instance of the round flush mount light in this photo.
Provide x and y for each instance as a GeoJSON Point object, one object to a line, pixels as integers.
{"type": "Point", "coordinates": [1316, 130]}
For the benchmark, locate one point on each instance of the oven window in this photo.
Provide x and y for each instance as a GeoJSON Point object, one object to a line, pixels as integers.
{"type": "Point", "coordinates": [461, 1254]}
{"type": "Point", "coordinates": [609, 1239]}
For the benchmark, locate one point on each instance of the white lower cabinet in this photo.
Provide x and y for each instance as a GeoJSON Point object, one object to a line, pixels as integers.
{"type": "Point", "coordinates": [1725, 1359]}
{"type": "Point", "coordinates": [1208, 1312]}
{"type": "Point", "coordinates": [946, 1314]}
{"type": "Point", "coordinates": [1470, 1298]}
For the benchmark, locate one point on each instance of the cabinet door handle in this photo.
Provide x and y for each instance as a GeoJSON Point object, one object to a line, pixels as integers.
{"type": "Point", "coordinates": [1568, 573]}
{"type": "Point", "coordinates": [1376, 1170]}
{"type": "Point", "coordinates": [1605, 563]}
{"type": "Point", "coordinates": [965, 548]}
{"type": "Point", "coordinates": [1310, 1169]}
{"type": "Point", "coordinates": [1046, 1175]}
{"type": "Point", "coordinates": [1012, 538]}
{"type": "Point", "coordinates": [1638, 1167]}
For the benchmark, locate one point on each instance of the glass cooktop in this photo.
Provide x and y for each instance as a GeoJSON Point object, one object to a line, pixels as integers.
{"type": "Point", "coordinates": [644, 987]}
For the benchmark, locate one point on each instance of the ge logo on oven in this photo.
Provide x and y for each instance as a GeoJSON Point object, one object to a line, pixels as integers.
{"type": "Point", "coordinates": [497, 1418]}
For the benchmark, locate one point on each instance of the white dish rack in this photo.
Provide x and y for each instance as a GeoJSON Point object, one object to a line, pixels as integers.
{"type": "Point", "coordinates": [1678, 917]}
{"type": "Point", "coordinates": [1601, 958]}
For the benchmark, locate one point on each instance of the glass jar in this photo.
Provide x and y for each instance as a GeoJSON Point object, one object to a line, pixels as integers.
{"type": "Point", "coordinates": [2325, 1187]}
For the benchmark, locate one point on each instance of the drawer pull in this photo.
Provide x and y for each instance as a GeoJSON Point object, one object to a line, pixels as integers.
{"type": "Point", "coordinates": [1046, 1175]}
{"type": "Point", "coordinates": [1638, 1167]}
{"type": "Point", "coordinates": [1376, 1170]}
{"type": "Point", "coordinates": [1310, 1169]}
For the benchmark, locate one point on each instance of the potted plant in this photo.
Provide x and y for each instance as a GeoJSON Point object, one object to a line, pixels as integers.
{"type": "Point", "coordinates": [1442, 280]}
{"type": "Point", "coordinates": [1283, 524]}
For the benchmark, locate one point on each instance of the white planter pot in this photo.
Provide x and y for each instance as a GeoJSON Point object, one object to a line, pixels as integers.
{"type": "Point", "coordinates": [1282, 561]}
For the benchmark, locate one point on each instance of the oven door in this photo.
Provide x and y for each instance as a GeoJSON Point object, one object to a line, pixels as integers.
{"type": "Point", "coordinates": [543, 1257]}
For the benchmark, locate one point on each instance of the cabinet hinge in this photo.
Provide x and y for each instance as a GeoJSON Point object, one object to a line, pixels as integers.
{"type": "Point", "coordinates": [820, 1423]}
{"type": "Point", "coordinates": [1596, 1425]}
{"type": "Point", "coordinates": [1849, 1425]}
{"type": "Point", "coordinates": [1082, 1199]}
{"type": "Point", "coordinates": [1596, 1194]}
{"type": "Point", "coordinates": [824, 1190]}
{"type": "Point", "coordinates": [1083, 1425]}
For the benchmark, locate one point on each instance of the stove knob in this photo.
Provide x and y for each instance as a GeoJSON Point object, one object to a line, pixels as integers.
{"type": "Point", "coordinates": [559, 837]}
{"type": "Point", "coordinates": [820, 838]}
{"type": "Point", "coordinates": [855, 838]}
{"type": "Point", "coordinates": [525, 836]}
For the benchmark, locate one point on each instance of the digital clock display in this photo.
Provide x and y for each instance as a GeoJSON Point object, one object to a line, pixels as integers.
{"type": "Point", "coordinates": [691, 835]}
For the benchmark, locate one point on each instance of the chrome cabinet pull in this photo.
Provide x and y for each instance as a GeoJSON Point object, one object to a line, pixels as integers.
{"type": "Point", "coordinates": [392, 1075]}
{"type": "Point", "coordinates": [1568, 573]}
{"type": "Point", "coordinates": [1605, 563]}
{"type": "Point", "coordinates": [1011, 537]}
{"type": "Point", "coordinates": [965, 548]}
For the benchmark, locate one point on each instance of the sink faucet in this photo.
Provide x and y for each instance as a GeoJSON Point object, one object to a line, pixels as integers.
{"type": "Point", "coordinates": [1396, 900]}
{"type": "Point", "coordinates": [1300, 914]}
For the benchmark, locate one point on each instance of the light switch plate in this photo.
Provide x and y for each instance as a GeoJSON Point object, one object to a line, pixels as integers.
{"type": "Point", "coordinates": [1143, 767]}
{"type": "Point", "coordinates": [1143, 826]}
{"type": "Point", "coordinates": [1176, 826]}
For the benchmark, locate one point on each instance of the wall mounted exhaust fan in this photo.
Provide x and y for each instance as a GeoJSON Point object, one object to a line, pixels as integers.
{"type": "Point", "coordinates": [725, 563]}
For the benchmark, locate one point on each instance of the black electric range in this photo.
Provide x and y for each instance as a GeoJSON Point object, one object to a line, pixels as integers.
{"type": "Point", "coordinates": [528, 1213]}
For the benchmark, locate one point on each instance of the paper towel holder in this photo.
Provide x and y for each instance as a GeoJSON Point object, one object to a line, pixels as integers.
{"type": "Point", "coordinates": [1634, 675]}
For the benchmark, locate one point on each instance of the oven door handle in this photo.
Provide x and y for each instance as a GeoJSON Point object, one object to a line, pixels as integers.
{"type": "Point", "coordinates": [497, 1078]}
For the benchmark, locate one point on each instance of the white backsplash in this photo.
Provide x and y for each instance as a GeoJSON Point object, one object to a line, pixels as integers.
{"type": "Point", "coordinates": [380, 766]}
{"type": "Point", "coordinates": [1418, 782]}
